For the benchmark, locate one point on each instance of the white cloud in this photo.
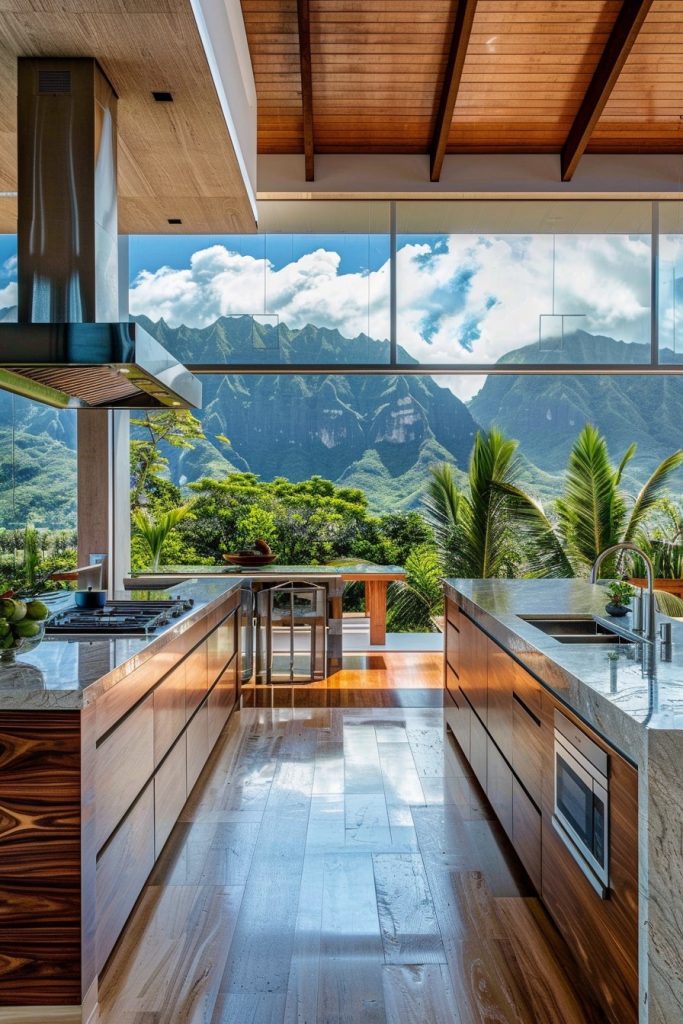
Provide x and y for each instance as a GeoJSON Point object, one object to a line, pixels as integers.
{"type": "Point", "coordinates": [465, 298]}
{"type": "Point", "coordinates": [310, 289]}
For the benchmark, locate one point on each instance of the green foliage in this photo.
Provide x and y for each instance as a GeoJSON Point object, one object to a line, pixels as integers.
{"type": "Point", "coordinates": [177, 429]}
{"type": "Point", "coordinates": [155, 530]}
{"type": "Point", "coordinates": [595, 512]}
{"type": "Point", "coordinates": [474, 527]}
{"type": "Point", "coordinates": [31, 556]}
{"type": "Point", "coordinates": [620, 592]}
{"type": "Point", "coordinates": [414, 603]}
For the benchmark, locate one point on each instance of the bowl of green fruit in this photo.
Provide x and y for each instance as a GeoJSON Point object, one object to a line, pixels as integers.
{"type": "Point", "coordinates": [22, 626]}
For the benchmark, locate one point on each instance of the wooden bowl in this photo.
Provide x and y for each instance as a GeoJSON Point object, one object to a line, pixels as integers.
{"type": "Point", "coordinates": [250, 561]}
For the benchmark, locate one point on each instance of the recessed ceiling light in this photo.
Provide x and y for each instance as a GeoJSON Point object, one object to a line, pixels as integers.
{"type": "Point", "coordinates": [163, 97]}
{"type": "Point", "coordinates": [174, 220]}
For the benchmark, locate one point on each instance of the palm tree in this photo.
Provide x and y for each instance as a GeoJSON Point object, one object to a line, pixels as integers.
{"type": "Point", "coordinates": [474, 528]}
{"type": "Point", "coordinates": [414, 603]}
{"type": "Point", "coordinates": [594, 511]}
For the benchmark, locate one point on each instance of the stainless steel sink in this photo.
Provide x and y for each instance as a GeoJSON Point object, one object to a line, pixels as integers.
{"type": "Point", "coordinates": [578, 629]}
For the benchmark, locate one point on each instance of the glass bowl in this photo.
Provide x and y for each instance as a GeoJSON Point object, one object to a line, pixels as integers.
{"type": "Point", "coordinates": [20, 644]}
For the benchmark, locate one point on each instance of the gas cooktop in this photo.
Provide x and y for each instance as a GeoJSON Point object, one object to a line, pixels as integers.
{"type": "Point", "coordinates": [118, 618]}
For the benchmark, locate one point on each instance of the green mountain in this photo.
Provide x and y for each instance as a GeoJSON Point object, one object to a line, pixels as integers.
{"type": "Point", "coordinates": [545, 413]}
{"type": "Point", "coordinates": [379, 433]}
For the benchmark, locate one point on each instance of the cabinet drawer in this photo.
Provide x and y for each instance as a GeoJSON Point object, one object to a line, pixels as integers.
{"type": "Point", "coordinates": [222, 644]}
{"type": "Point", "coordinates": [474, 665]}
{"type": "Point", "coordinates": [499, 786]}
{"type": "Point", "coordinates": [170, 793]}
{"type": "Point", "coordinates": [221, 701]}
{"type": "Point", "coordinates": [527, 749]}
{"type": "Point", "coordinates": [197, 745]}
{"type": "Point", "coordinates": [124, 762]}
{"type": "Point", "coordinates": [526, 833]}
{"type": "Point", "coordinates": [169, 712]}
{"type": "Point", "coordinates": [196, 677]}
{"type": "Point", "coordinates": [501, 670]}
{"type": "Point", "coordinates": [453, 646]}
{"type": "Point", "coordinates": [122, 871]}
{"type": "Point", "coordinates": [478, 751]}
{"type": "Point", "coordinates": [457, 713]}
{"type": "Point", "coordinates": [528, 690]}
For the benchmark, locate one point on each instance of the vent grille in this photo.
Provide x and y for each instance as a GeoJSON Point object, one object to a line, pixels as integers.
{"type": "Point", "coordinates": [54, 83]}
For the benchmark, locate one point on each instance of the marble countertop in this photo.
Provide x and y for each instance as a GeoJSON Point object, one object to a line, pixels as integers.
{"type": "Point", "coordinates": [623, 697]}
{"type": "Point", "coordinates": [69, 673]}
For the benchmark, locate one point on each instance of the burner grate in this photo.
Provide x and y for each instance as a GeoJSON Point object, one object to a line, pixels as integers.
{"type": "Point", "coordinates": [132, 618]}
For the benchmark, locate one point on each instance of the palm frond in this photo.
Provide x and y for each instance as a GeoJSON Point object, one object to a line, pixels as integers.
{"type": "Point", "coordinates": [413, 603]}
{"type": "Point", "coordinates": [591, 511]}
{"type": "Point", "coordinates": [546, 555]}
{"type": "Point", "coordinates": [155, 531]}
{"type": "Point", "coordinates": [669, 604]}
{"type": "Point", "coordinates": [443, 502]}
{"type": "Point", "coordinates": [651, 493]}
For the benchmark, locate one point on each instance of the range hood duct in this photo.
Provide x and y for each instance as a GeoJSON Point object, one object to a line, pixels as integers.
{"type": "Point", "coordinates": [72, 347]}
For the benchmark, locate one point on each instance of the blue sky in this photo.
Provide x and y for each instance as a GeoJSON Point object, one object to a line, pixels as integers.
{"type": "Point", "coordinates": [150, 252]}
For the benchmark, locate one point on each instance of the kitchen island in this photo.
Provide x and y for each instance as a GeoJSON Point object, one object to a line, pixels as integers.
{"type": "Point", "coordinates": [375, 580]}
{"type": "Point", "coordinates": [101, 742]}
{"type": "Point", "coordinates": [514, 694]}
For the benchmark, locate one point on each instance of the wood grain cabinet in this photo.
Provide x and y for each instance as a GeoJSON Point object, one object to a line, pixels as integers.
{"type": "Point", "coordinates": [526, 832]}
{"type": "Point", "coordinates": [602, 933]}
{"type": "Point", "coordinates": [221, 646]}
{"type": "Point", "coordinates": [478, 749]}
{"type": "Point", "coordinates": [221, 701]}
{"type": "Point", "coordinates": [196, 678]}
{"type": "Point", "coordinates": [124, 762]}
{"type": "Point", "coordinates": [473, 665]}
{"type": "Point", "coordinates": [170, 793]}
{"type": "Point", "coordinates": [457, 713]}
{"type": "Point", "coordinates": [197, 733]}
{"type": "Point", "coordinates": [122, 870]}
{"type": "Point", "coordinates": [453, 637]}
{"type": "Point", "coordinates": [499, 786]}
{"type": "Point", "coordinates": [501, 672]}
{"type": "Point", "coordinates": [169, 711]}
{"type": "Point", "coordinates": [502, 718]}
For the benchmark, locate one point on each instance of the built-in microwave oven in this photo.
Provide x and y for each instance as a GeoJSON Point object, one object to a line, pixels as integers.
{"type": "Point", "coordinates": [581, 811]}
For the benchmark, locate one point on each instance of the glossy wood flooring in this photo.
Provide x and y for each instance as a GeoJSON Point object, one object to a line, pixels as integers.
{"type": "Point", "coordinates": [386, 679]}
{"type": "Point", "coordinates": [339, 867]}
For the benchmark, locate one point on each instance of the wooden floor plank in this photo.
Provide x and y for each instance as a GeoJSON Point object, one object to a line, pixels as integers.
{"type": "Point", "coordinates": [410, 932]}
{"type": "Point", "coordinates": [419, 994]}
{"type": "Point", "coordinates": [212, 853]}
{"type": "Point", "coordinates": [169, 964]}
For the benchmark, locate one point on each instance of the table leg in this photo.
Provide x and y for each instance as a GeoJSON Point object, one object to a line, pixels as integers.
{"type": "Point", "coordinates": [376, 609]}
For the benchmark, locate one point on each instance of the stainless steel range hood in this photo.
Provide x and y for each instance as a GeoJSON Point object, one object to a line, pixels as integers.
{"type": "Point", "coordinates": [71, 346]}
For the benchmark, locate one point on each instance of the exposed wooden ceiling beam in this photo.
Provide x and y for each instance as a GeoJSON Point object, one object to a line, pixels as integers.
{"type": "Point", "coordinates": [306, 85]}
{"type": "Point", "coordinates": [464, 16]}
{"type": "Point", "coordinates": [617, 48]}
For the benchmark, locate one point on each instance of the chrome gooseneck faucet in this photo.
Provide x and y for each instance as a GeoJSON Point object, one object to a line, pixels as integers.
{"type": "Point", "coordinates": [651, 625]}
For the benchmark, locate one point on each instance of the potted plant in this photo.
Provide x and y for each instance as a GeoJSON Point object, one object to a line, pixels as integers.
{"type": "Point", "coordinates": [620, 594]}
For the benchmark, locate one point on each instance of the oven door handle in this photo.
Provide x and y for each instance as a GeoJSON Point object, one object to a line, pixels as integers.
{"type": "Point", "coordinates": [577, 768]}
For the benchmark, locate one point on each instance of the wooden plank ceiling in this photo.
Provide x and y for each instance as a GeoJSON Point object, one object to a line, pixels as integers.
{"type": "Point", "coordinates": [175, 160]}
{"type": "Point", "coordinates": [539, 76]}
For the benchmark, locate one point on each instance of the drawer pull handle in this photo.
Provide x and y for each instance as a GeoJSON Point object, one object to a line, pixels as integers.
{"type": "Point", "coordinates": [529, 712]}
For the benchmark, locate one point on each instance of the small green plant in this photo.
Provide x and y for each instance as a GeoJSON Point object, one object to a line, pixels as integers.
{"type": "Point", "coordinates": [31, 555]}
{"type": "Point", "coordinates": [156, 530]}
{"type": "Point", "coordinates": [620, 593]}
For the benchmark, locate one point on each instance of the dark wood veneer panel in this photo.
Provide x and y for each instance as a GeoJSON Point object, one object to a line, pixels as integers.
{"type": "Point", "coordinates": [40, 858]}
